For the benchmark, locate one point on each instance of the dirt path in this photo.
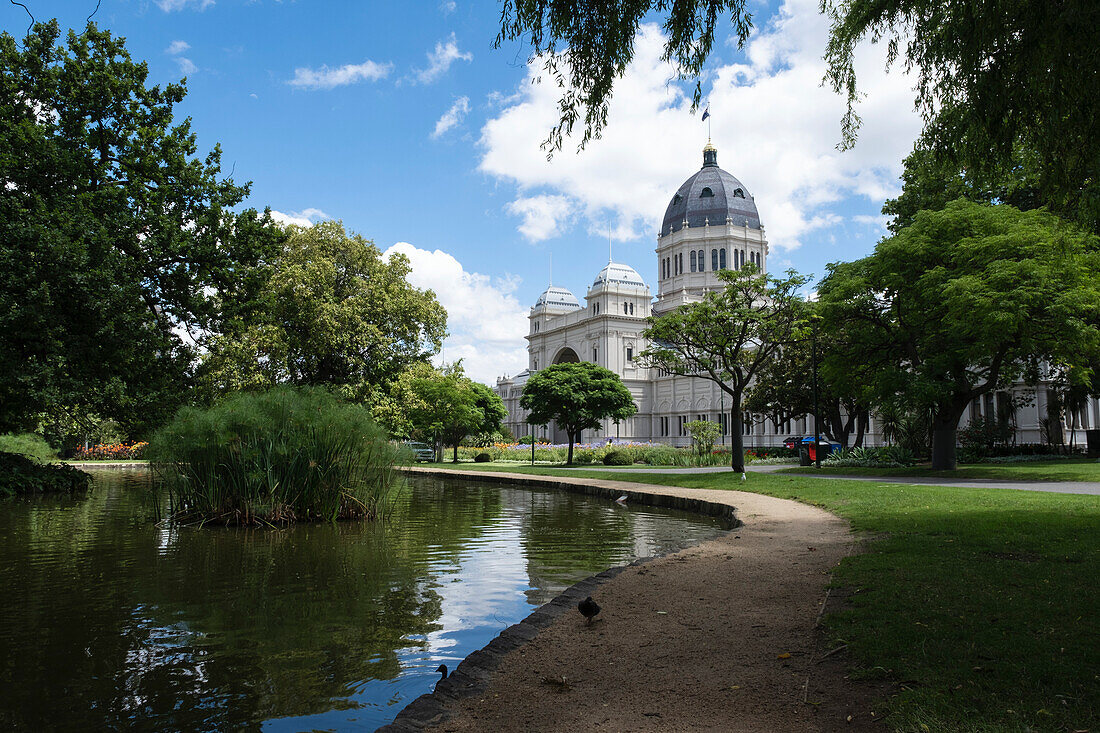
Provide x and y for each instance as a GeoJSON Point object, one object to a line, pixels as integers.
{"type": "Point", "coordinates": [719, 637]}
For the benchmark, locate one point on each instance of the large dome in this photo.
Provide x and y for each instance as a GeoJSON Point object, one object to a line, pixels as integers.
{"type": "Point", "coordinates": [620, 275]}
{"type": "Point", "coordinates": [711, 195]}
{"type": "Point", "coordinates": [558, 299]}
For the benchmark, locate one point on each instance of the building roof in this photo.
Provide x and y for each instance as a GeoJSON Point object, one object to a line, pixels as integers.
{"type": "Point", "coordinates": [621, 276]}
{"type": "Point", "coordinates": [710, 196]}
{"type": "Point", "coordinates": [558, 298]}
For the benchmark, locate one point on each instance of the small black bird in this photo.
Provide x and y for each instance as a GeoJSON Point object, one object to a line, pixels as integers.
{"type": "Point", "coordinates": [588, 608]}
{"type": "Point", "coordinates": [442, 669]}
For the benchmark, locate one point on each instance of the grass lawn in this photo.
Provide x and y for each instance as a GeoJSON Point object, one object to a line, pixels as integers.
{"type": "Point", "coordinates": [983, 604]}
{"type": "Point", "coordinates": [1057, 470]}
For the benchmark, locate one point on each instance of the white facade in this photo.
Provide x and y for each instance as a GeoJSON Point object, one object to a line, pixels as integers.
{"type": "Point", "coordinates": [711, 224]}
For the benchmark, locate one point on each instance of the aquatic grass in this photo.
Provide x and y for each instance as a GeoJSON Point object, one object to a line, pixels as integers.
{"type": "Point", "coordinates": [290, 454]}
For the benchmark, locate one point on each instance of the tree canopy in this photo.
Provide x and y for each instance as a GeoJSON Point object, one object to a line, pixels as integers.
{"type": "Point", "coordinates": [443, 405]}
{"type": "Point", "coordinates": [993, 80]}
{"type": "Point", "coordinates": [334, 313]}
{"type": "Point", "coordinates": [729, 336]}
{"type": "Point", "coordinates": [961, 302]}
{"type": "Point", "coordinates": [576, 396]}
{"type": "Point", "coordinates": [586, 46]}
{"type": "Point", "coordinates": [115, 236]}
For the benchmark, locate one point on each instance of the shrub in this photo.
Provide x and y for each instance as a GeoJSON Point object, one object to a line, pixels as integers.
{"type": "Point", "coordinates": [483, 457]}
{"type": "Point", "coordinates": [29, 445]}
{"type": "Point", "coordinates": [886, 457]}
{"type": "Point", "coordinates": [21, 475]}
{"type": "Point", "coordinates": [617, 458]}
{"type": "Point", "coordinates": [284, 455]}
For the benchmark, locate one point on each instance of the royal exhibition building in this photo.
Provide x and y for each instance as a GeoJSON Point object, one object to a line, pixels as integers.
{"type": "Point", "coordinates": [711, 223]}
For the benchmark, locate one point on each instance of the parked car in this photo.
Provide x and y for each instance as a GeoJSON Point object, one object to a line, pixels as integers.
{"type": "Point", "coordinates": [810, 453]}
{"type": "Point", "coordinates": [420, 451]}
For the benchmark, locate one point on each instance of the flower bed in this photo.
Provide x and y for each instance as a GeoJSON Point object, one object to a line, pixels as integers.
{"type": "Point", "coordinates": [111, 452]}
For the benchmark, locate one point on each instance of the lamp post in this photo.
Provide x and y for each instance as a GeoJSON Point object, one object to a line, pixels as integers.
{"type": "Point", "coordinates": [817, 421]}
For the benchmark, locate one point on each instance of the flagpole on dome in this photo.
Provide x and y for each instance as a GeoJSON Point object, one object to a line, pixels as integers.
{"type": "Point", "coordinates": [706, 118]}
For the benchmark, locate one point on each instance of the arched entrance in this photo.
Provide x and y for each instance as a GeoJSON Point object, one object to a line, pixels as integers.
{"type": "Point", "coordinates": [566, 356]}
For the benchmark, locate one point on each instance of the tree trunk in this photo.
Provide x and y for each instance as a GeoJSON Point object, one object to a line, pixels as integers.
{"type": "Point", "coordinates": [861, 428]}
{"type": "Point", "coordinates": [737, 438]}
{"type": "Point", "coordinates": [454, 454]}
{"type": "Point", "coordinates": [945, 426]}
{"type": "Point", "coordinates": [569, 457]}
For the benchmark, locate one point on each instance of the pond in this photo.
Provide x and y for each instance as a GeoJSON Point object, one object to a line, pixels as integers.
{"type": "Point", "coordinates": [110, 621]}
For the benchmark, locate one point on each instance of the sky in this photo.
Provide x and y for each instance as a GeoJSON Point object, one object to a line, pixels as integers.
{"type": "Point", "coordinates": [403, 121]}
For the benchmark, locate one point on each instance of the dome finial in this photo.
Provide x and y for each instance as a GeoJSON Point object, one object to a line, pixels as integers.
{"type": "Point", "coordinates": [710, 156]}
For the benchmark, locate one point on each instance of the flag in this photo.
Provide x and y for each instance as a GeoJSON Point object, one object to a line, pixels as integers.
{"type": "Point", "coordinates": [706, 114]}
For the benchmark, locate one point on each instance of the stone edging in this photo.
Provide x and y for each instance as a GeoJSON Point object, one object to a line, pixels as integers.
{"type": "Point", "coordinates": [84, 465]}
{"type": "Point", "coordinates": [471, 677]}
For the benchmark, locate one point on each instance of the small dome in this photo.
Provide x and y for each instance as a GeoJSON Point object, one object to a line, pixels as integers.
{"type": "Point", "coordinates": [559, 299]}
{"type": "Point", "coordinates": [620, 275]}
{"type": "Point", "coordinates": [710, 196]}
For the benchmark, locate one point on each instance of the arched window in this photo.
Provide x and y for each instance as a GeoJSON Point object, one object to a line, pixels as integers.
{"type": "Point", "coordinates": [692, 260]}
{"type": "Point", "coordinates": [706, 193]}
{"type": "Point", "coordinates": [739, 193]}
{"type": "Point", "coordinates": [624, 307]}
{"type": "Point", "coordinates": [742, 258]}
{"type": "Point", "coordinates": [722, 259]}
{"type": "Point", "coordinates": [536, 326]}
{"type": "Point", "coordinates": [702, 260]}
{"type": "Point", "coordinates": [714, 259]}
{"type": "Point", "coordinates": [631, 309]}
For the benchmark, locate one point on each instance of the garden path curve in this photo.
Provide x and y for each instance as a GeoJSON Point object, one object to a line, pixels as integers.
{"type": "Point", "coordinates": [718, 637]}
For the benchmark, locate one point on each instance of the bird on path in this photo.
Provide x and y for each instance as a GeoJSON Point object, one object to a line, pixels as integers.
{"type": "Point", "coordinates": [588, 608]}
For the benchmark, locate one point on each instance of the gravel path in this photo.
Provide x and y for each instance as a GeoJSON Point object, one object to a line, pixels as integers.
{"type": "Point", "coordinates": [718, 637]}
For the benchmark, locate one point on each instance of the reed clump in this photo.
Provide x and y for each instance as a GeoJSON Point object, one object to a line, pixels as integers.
{"type": "Point", "coordinates": [286, 455]}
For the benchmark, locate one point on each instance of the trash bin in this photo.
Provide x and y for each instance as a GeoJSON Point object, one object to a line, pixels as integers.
{"type": "Point", "coordinates": [804, 455]}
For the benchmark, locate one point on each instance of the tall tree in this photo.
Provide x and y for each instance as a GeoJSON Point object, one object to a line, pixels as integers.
{"type": "Point", "coordinates": [729, 336]}
{"type": "Point", "coordinates": [114, 235]}
{"type": "Point", "coordinates": [962, 302]}
{"type": "Point", "coordinates": [993, 79]}
{"type": "Point", "coordinates": [335, 313]}
{"type": "Point", "coordinates": [586, 46]}
{"type": "Point", "coordinates": [445, 406]}
{"type": "Point", "coordinates": [576, 396]}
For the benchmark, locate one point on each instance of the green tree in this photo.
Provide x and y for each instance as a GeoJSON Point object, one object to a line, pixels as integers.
{"type": "Point", "coordinates": [576, 396]}
{"type": "Point", "coordinates": [962, 302]}
{"type": "Point", "coordinates": [729, 336]}
{"type": "Point", "coordinates": [784, 387]}
{"type": "Point", "coordinates": [586, 46]}
{"type": "Point", "coordinates": [114, 234]}
{"type": "Point", "coordinates": [444, 405]}
{"type": "Point", "coordinates": [993, 79]}
{"type": "Point", "coordinates": [335, 314]}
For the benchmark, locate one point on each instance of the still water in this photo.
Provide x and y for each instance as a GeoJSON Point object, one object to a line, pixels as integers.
{"type": "Point", "coordinates": [109, 621]}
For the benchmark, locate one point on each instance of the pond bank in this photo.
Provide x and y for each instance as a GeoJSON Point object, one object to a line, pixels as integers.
{"type": "Point", "coordinates": [721, 636]}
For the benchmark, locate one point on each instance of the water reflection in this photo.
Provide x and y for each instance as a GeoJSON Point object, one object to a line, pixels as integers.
{"type": "Point", "coordinates": [108, 620]}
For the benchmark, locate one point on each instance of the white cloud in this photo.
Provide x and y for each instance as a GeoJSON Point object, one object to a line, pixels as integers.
{"type": "Point", "coordinates": [452, 117]}
{"type": "Point", "coordinates": [440, 60]}
{"type": "Point", "coordinates": [177, 47]}
{"type": "Point", "coordinates": [485, 321]}
{"type": "Point", "coordinates": [448, 6]}
{"type": "Point", "coordinates": [327, 78]}
{"type": "Point", "coordinates": [171, 5]}
{"type": "Point", "coordinates": [543, 216]}
{"type": "Point", "coordinates": [303, 218]}
{"type": "Point", "coordinates": [775, 125]}
{"type": "Point", "coordinates": [187, 66]}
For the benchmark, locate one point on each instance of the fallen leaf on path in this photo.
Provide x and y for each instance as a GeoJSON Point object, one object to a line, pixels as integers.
{"type": "Point", "coordinates": [784, 655]}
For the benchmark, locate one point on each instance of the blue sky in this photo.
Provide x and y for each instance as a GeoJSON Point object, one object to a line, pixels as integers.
{"type": "Point", "coordinates": [404, 122]}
